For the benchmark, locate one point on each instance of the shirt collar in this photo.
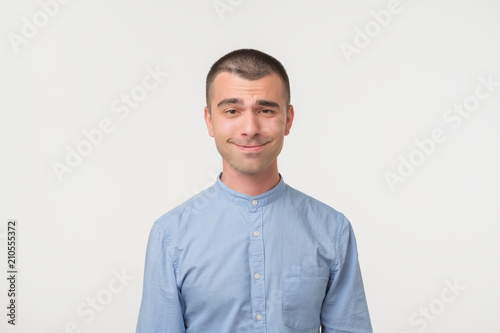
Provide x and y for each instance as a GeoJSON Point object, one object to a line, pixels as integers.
{"type": "Point", "coordinates": [247, 200]}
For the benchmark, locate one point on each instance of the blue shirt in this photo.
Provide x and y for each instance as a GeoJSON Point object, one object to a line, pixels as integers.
{"type": "Point", "coordinates": [227, 262]}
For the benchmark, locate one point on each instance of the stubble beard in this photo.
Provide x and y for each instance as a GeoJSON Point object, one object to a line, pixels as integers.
{"type": "Point", "coordinates": [252, 163]}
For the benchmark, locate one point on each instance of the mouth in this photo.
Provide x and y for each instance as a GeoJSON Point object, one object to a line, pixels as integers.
{"type": "Point", "coordinates": [250, 148]}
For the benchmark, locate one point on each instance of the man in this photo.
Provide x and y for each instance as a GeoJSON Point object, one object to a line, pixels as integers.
{"type": "Point", "coordinates": [250, 253]}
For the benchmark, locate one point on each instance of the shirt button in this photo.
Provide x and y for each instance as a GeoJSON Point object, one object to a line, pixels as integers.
{"type": "Point", "coordinates": [258, 317]}
{"type": "Point", "coordinates": [256, 276]}
{"type": "Point", "coordinates": [256, 233]}
{"type": "Point", "coordinates": [254, 202]}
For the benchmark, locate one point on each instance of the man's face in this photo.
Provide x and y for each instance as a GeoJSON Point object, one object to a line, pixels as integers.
{"type": "Point", "coordinates": [248, 120]}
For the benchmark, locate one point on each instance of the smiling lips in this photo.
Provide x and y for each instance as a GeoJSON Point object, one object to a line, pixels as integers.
{"type": "Point", "coordinates": [250, 148]}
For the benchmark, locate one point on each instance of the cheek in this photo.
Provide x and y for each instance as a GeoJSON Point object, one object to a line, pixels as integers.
{"type": "Point", "coordinates": [222, 133]}
{"type": "Point", "coordinates": [279, 128]}
{"type": "Point", "coordinates": [226, 130]}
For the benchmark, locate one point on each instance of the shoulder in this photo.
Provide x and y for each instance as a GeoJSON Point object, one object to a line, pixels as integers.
{"type": "Point", "coordinates": [194, 206]}
{"type": "Point", "coordinates": [328, 225]}
{"type": "Point", "coordinates": [300, 200]}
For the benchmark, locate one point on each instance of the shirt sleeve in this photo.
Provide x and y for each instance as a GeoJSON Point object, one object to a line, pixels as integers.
{"type": "Point", "coordinates": [162, 307]}
{"type": "Point", "coordinates": [344, 307]}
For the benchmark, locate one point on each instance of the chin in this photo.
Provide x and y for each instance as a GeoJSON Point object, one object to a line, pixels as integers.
{"type": "Point", "coordinates": [253, 171]}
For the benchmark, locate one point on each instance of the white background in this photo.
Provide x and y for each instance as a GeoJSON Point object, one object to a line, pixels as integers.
{"type": "Point", "coordinates": [356, 116]}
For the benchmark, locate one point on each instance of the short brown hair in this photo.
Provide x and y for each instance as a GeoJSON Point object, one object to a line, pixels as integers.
{"type": "Point", "coordinates": [249, 64]}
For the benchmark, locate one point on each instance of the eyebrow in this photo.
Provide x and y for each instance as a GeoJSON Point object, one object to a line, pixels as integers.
{"type": "Point", "coordinates": [261, 102]}
{"type": "Point", "coordinates": [230, 101]}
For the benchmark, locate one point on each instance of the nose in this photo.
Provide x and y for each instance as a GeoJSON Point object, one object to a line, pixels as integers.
{"type": "Point", "coordinates": [250, 126]}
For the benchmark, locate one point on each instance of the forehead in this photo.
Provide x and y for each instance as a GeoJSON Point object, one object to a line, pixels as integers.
{"type": "Point", "coordinates": [230, 85]}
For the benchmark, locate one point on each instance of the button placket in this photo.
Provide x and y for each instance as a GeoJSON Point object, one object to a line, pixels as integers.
{"type": "Point", "coordinates": [256, 254]}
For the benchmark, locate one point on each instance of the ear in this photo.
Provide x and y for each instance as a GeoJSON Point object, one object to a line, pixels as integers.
{"type": "Point", "coordinates": [289, 119]}
{"type": "Point", "coordinates": [208, 121]}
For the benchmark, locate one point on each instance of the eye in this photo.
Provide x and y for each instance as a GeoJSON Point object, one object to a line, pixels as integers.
{"type": "Point", "coordinates": [267, 111]}
{"type": "Point", "coordinates": [231, 111]}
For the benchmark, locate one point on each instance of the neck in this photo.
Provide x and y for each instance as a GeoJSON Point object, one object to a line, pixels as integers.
{"type": "Point", "coordinates": [251, 185]}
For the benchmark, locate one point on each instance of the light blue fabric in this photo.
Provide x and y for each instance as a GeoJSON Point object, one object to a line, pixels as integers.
{"type": "Point", "coordinates": [227, 262]}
